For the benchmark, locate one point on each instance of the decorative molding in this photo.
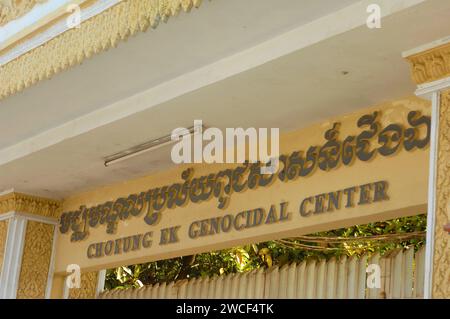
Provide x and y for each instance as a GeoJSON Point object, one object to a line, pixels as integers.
{"type": "Point", "coordinates": [431, 65]}
{"type": "Point", "coordinates": [441, 256]}
{"type": "Point", "coordinates": [29, 204]}
{"type": "Point", "coordinates": [88, 289]}
{"type": "Point", "coordinates": [36, 261]}
{"type": "Point", "coordinates": [95, 35]}
{"type": "Point", "coordinates": [3, 236]}
{"type": "Point", "coordinates": [13, 9]}
{"type": "Point", "coordinates": [51, 31]}
{"type": "Point", "coordinates": [27, 256]}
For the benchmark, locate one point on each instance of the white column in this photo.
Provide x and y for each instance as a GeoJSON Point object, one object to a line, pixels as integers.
{"type": "Point", "coordinates": [12, 261]}
{"type": "Point", "coordinates": [432, 91]}
{"type": "Point", "coordinates": [100, 282]}
{"type": "Point", "coordinates": [9, 278]}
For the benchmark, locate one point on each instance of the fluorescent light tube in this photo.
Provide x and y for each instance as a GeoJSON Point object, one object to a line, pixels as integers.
{"type": "Point", "coordinates": [146, 147]}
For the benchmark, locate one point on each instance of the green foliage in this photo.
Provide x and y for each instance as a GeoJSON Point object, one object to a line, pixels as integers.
{"type": "Point", "coordinates": [268, 254]}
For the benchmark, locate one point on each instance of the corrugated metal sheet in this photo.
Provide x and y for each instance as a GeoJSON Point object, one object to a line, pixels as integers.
{"type": "Point", "coordinates": [402, 276]}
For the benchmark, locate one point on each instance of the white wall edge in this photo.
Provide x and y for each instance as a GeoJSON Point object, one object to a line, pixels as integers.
{"type": "Point", "coordinates": [429, 250]}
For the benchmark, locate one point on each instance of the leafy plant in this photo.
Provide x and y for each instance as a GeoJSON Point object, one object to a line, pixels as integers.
{"type": "Point", "coordinates": [355, 240]}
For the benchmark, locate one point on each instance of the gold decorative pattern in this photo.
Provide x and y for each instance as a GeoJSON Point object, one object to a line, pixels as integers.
{"type": "Point", "coordinates": [95, 35]}
{"type": "Point", "coordinates": [29, 204]}
{"type": "Point", "coordinates": [441, 259]}
{"type": "Point", "coordinates": [36, 257]}
{"type": "Point", "coordinates": [3, 234]}
{"type": "Point", "coordinates": [88, 287]}
{"type": "Point", "coordinates": [430, 65]}
{"type": "Point", "coordinates": [13, 9]}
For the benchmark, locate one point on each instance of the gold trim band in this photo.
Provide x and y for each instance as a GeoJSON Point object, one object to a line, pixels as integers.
{"type": "Point", "coordinates": [12, 9]}
{"type": "Point", "coordinates": [430, 65]}
{"type": "Point", "coordinates": [95, 35]}
{"type": "Point", "coordinates": [18, 202]}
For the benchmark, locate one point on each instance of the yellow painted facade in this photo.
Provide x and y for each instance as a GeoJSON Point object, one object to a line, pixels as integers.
{"type": "Point", "coordinates": [431, 65]}
{"type": "Point", "coordinates": [441, 259]}
{"type": "Point", "coordinates": [88, 287]}
{"type": "Point", "coordinates": [35, 260]}
{"type": "Point", "coordinates": [402, 176]}
{"type": "Point", "coordinates": [426, 68]}
{"type": "Point", "coordinates": [38, 240]}
{"type": "Point", "coordinates": [3, 235]}
{"type": "Point", "coordinates": [17, 202]}
{"type": "Point", "coordinates": [406, 173]}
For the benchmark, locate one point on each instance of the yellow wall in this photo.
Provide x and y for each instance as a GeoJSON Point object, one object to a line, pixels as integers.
{"type": "Point", "coordinates": [441, 253]}
{"type": "Point", "coordinates": [406, 172]}
{"type": "Point", "coordinates": [3, 235]}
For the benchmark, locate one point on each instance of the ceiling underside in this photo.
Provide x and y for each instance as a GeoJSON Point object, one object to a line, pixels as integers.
{"type": "Point", "coordinates": [343, 73]}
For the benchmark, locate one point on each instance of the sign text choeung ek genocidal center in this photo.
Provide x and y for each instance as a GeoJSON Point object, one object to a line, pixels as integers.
{"type": "Point", "coordinates": [374, 140]}
{"type": "Point", "coordinates": [247, 219]}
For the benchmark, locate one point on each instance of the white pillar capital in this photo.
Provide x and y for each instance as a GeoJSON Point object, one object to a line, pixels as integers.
{"type": "Point", "coordinates": [27, 229]}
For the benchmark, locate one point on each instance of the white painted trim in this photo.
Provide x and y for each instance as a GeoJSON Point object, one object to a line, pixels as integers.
{"type": "Point", "coordinates": [12, 262]}
{"type": "Point", "coordinates": [432, 91]}
{"type": "Point", "coordinates": [7, 215]}
{"type": "Point", "coordinates": [65, 289]}
{"type": "Point", "coordinates": [426, 90]}
{"type": "Point", "coordinates": [429, 250]}
{"type": "Point", "coordinates": [35, 18]}
{"type": "Point", "coordinates": [37, 218]}
{"type": "Point", "coordinates": [299, 38]}
{"type": "Point", "coordinates": [100, 282]}
{"type": "Point", "coordinates": [102, 5]}
{"type": "Point", "coordinates": [51, 270]}
{"type": "Point", "coordinates": [9, 278]}
{"type": "Point", "coordinates": [18, 254]}
{"type": "Point", "coordinates": [55, 30]}
{"type": "Point", "coordinates": [7, 191]}
{"type": "Point", "coordinates": [426, 47]}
